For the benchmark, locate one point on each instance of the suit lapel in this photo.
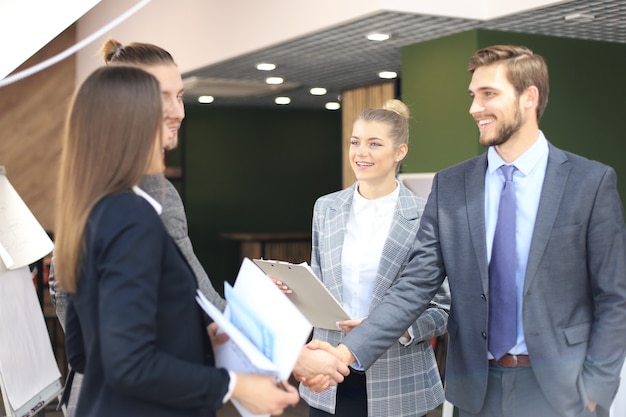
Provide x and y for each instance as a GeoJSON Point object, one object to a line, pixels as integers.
{"type": "Point", "coordinates": [475, 200]}
{"type": "Point", "coordinates": [403, 229]}
{"type": "Point", "coordinates": [557, 171]}
{"type": "Point", "coordinates": [336, 226]}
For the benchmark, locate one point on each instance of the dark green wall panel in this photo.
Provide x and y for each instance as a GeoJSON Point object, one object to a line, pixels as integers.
{"type": "Point", "coordinates": [254, 170]}
{"type": "Point", "coordinates": [585, 114]}
{"type": "Point", "coordinates": [434, 86]}
{"type": "Point", "coordinates": [261, 169]}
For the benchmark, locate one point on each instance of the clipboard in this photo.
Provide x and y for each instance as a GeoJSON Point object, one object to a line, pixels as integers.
{"type": "Point", "coordinates": [310, 295]}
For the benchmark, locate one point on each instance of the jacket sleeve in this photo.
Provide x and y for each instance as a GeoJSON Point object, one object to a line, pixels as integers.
{"type": "Point", "coordinates": [74, 346]}
{"type": "Point", "coordinates": [129, 288]}
{"type": "Point", "coordinates": [607, 268]}
{"type": "Point", "coordinates": [58, 297]}
{"type": "Point", "coordinates": [433, 321]}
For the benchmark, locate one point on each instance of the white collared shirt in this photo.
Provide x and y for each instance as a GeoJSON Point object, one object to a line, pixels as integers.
{"type": "Point", "coordinates": [367, 229]}
{"type": "Point", "coordinates": [155, 204]}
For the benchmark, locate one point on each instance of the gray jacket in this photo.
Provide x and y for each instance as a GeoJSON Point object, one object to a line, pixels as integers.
{"type": "Point", "coordinates": [404, 381]}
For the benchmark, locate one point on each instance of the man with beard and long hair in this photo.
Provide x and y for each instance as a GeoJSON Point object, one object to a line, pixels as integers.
{"type": "Point", "coordinates": [540, 331]}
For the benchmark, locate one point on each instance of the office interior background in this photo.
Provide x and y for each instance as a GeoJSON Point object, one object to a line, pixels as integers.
{"type": "Point", "coordinates": [247, 166]}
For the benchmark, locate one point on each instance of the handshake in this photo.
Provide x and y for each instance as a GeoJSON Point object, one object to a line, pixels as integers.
{"type": "Point", "coordinates": [321, 365]}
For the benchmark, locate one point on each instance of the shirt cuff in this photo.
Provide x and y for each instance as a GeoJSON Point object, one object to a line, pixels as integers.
{"type": "Point", "coordinates": [406, 341]}
{"type": "Point", "coordinates": [231, 386]}
{"type": "Point", "coordinates": [356, 365]}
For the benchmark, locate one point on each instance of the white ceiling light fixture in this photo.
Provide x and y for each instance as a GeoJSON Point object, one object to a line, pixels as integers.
{"type": "Point", "coordinates": [274, 80]}
{"type": "Point", "coordinates": [265, 66]}
{"type": "Point", "coordinates": [388, 75]}
{"type": "Point", "coordinates": [318, 91]}
{"type": "Point", "coordinates": [378, 36]}
{"type": "Point", "coordinates": [282, 100]}
{"type": "Point", "coordinates": [579, 17]}
{"type": "Point", "coordinates": [332, 105]}
{"type": "Point", "coordinates": [206, 99]}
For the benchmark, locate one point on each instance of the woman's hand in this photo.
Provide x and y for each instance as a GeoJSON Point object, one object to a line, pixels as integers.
{"type": "Point", "coordinates": [318, 369]}
{"type": "Point", "coordinates": [347, 325]}
{"type": "Point", "coordinates": [216, 339]}
{"type": "Point", "coordinates": [260, 394]}
{"type": "Point", "coordinates": [282, 286]}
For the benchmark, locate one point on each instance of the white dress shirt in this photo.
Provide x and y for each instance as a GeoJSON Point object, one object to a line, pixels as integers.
{"type": "Point", "coordinates": [367, 229]}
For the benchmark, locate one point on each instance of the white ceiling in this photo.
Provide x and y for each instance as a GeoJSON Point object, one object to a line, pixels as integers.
{"type": "Point", "coordinates": [217, 44]}
{"type": "Point", "coordinates": [341, 57]}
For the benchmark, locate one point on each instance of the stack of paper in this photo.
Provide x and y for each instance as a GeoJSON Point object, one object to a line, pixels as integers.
{"type": "Point", "coordinates": [266, 331]}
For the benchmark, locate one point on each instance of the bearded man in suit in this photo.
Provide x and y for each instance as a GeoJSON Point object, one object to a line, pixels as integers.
{"type": "Point", "coordinates": [569, 262]}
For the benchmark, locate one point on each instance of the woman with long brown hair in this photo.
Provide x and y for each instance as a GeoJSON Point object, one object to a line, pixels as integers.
{"type": "Point", "coordinates": [132, 327]}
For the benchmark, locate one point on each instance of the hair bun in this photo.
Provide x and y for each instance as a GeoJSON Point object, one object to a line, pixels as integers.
{"type": "Point", "coordinates": [397, 106]}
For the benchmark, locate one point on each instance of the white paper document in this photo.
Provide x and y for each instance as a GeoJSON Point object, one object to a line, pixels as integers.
{"type": "Point", "coordinates": [266, 331]}
{"type": "Point", "coordinates": [27, 362]}
{"type": "Point", "coordinates": [22, 239]}
{"type": "Point", "coordinates": [310, 294]}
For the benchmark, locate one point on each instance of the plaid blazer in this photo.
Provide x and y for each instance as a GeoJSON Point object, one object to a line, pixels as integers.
{"type": "Point", "coordinates": [404, 381]}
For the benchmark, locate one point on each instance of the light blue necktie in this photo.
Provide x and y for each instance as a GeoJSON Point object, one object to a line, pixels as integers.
{"type": "Point", "coordinates": [502, 293]}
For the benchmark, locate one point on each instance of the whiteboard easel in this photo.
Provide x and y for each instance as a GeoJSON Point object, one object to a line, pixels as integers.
{"type": "Point", "coordinates": [29, 374]}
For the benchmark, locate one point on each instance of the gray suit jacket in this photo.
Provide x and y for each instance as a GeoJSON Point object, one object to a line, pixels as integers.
{"type": "Point", "coordinates": [175, 221]}
{"type": "Point", "coordinates": [405, 380]}
{"type": "Point", "coordinates": [574, 308]}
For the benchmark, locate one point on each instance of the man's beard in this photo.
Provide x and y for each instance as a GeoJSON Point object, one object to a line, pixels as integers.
{"type": "Point", "coordinates": [504, 132]}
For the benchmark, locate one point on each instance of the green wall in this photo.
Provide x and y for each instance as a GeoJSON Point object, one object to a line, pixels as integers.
{"type": "Point", "coordinates": [434, 86]}
{"type": "Point", "coordinates": [261, 169]}
{"type": "Point", "coordinates": [253, 170]}
{"type": "Point", "coordinates": [586, 113]}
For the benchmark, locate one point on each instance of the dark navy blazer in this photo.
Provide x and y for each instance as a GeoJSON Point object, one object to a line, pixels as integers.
{"type": "Point", "coordinates": [133, 327]}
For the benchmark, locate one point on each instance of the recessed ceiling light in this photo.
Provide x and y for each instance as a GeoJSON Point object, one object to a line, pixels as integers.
{"type": "Point", "coordinates": [282, 100]}
{"type": "Point", "coordinates": [579, 17]}
{"type": "Point", "coordinates": [378, 36]}
{"type": "Point", "coordinates": [274, 80]}
{"type": "Point", "coordinates": [332, 105]}
{"type": "Point", "coordinates": [265, 66]}
{"type": "Point", "coordinates": [205, 99]}
{"type": "Point", "coordinates": [387, 74]}
{"type": "Point", "coordinates": [318, 91]}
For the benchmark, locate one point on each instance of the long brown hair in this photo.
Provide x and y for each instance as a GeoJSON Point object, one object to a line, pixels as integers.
{"type": "Point", "coordinates": [110, 132]}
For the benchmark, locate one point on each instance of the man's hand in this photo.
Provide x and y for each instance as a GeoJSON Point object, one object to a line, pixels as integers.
{"type": "Point", "coordinates": [318, 369]}
{"type": "Point", "coordinates": [341, 352]}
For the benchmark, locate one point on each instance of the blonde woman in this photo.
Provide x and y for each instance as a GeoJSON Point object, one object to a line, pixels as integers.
{"type": "Point", "coordinates": [362, 237]}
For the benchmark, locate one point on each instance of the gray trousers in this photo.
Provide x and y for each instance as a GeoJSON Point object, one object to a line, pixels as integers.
{"type": "Point", "coordinates": [515, 392]}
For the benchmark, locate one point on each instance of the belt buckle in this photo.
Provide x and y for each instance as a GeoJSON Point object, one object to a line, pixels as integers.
{"type": "Point", "coordinates": [515, 362]}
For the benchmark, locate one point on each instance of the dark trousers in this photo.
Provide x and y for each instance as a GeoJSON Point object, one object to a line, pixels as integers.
{"type": "Point", "coordinates": [515, 392]}
{"type": "Point", "coordinates": [351, 398]}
